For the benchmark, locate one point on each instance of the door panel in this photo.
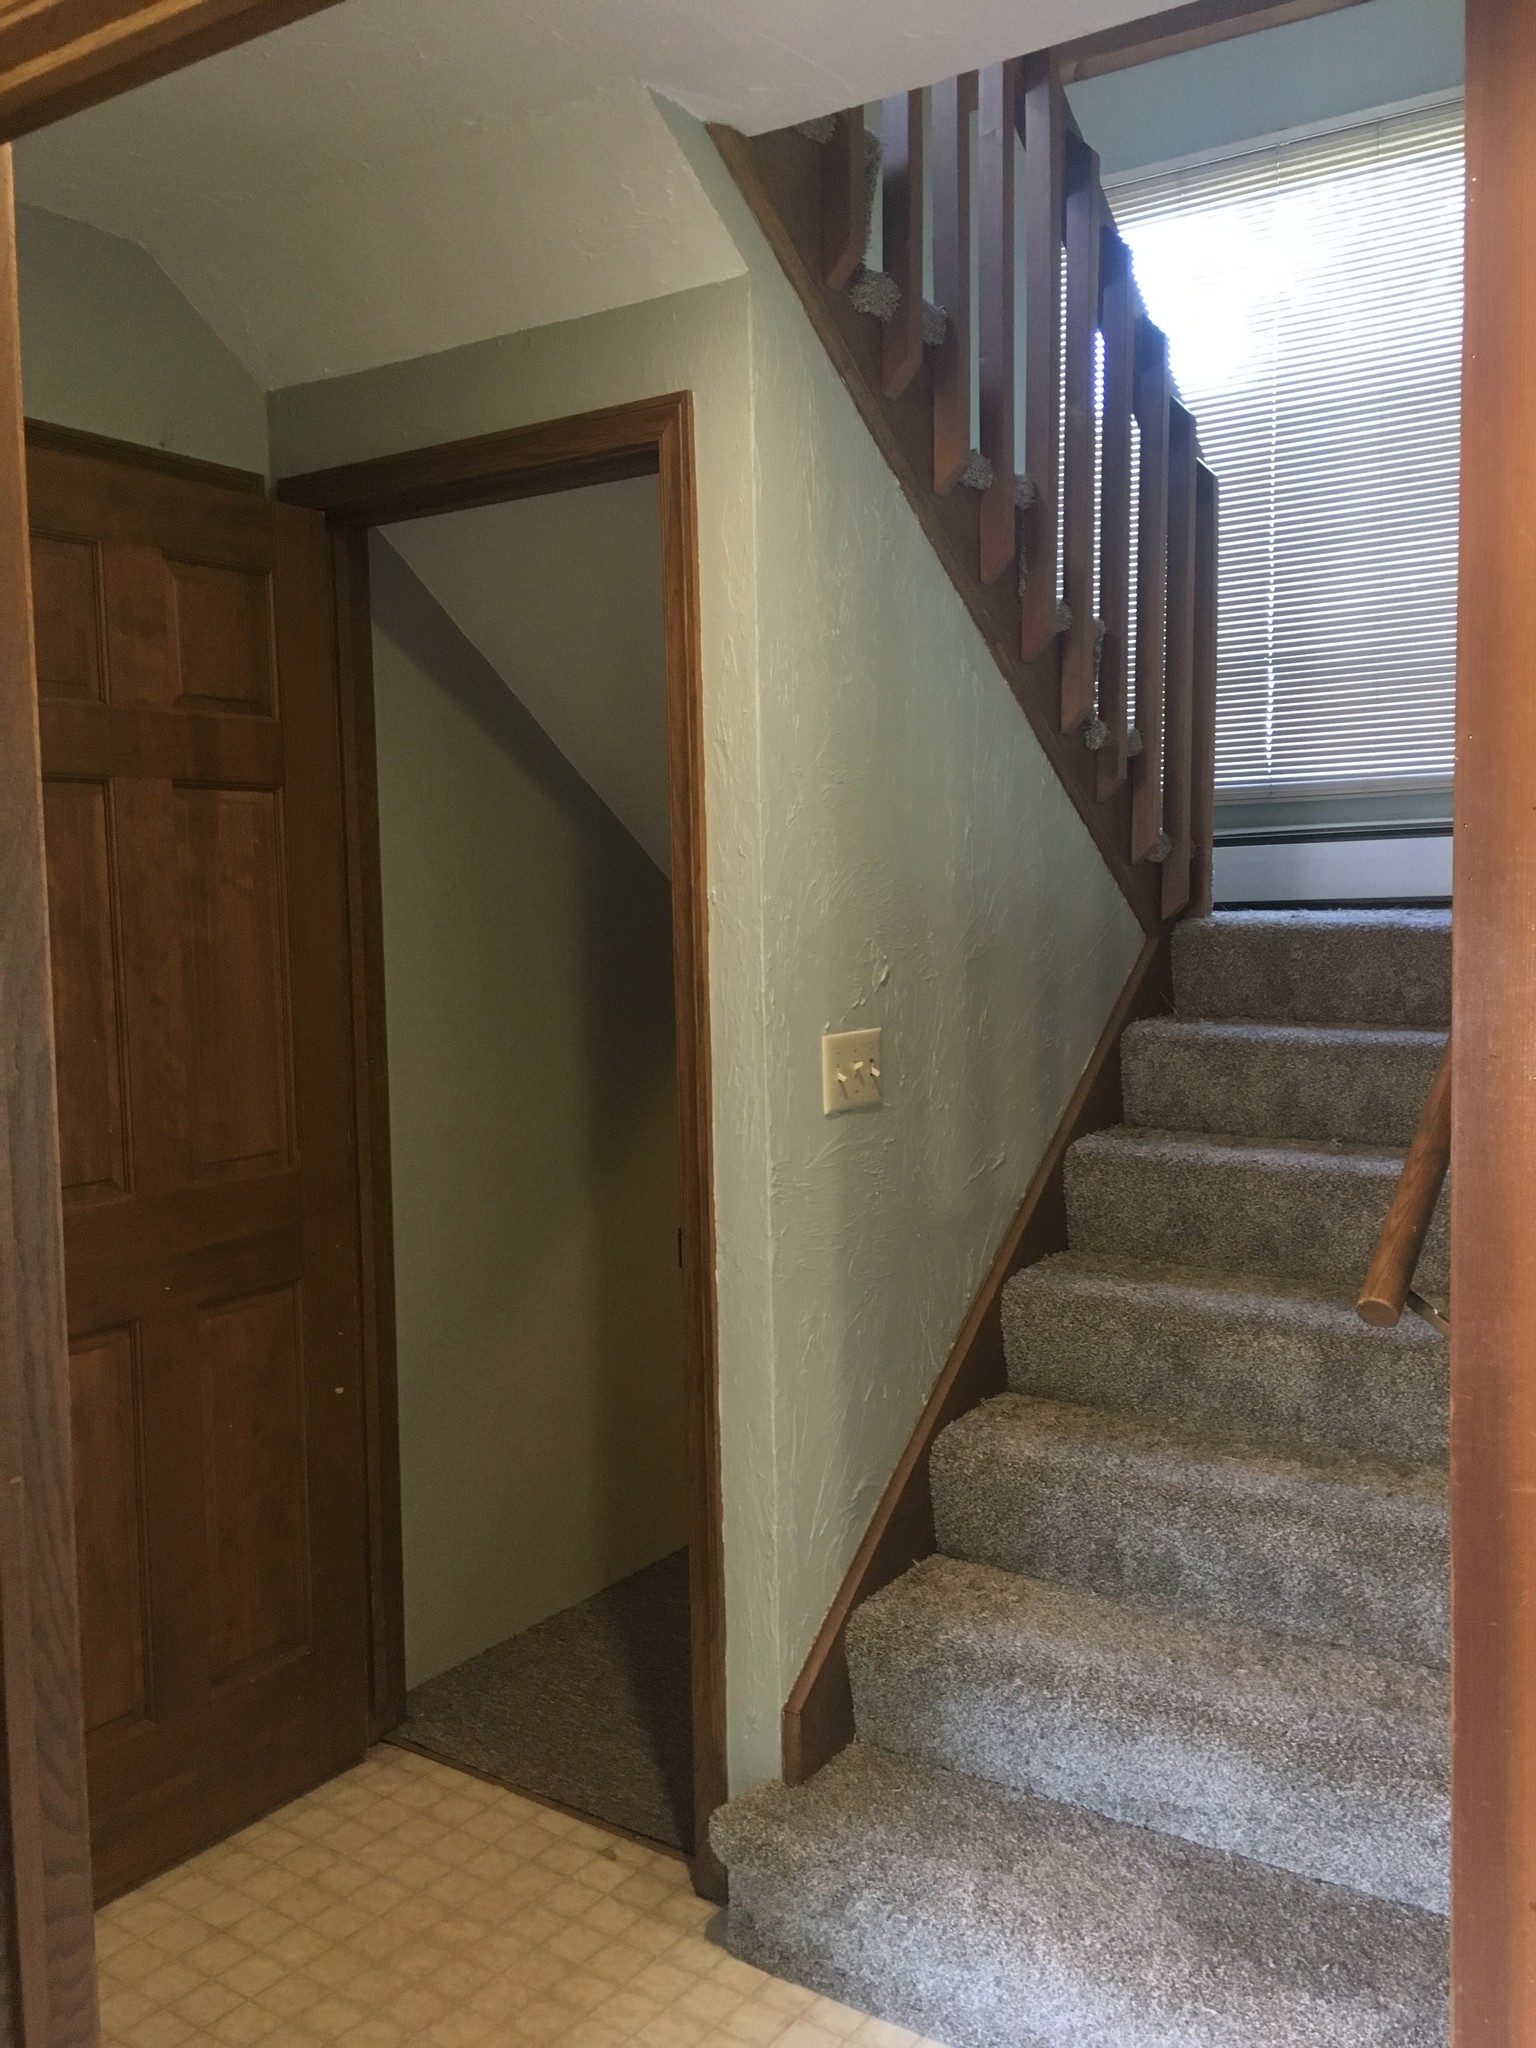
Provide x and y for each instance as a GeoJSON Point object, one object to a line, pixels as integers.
{"type": "Point", "coordinates": [223, 638]}
{"type": "Point", "coordinates": [196, 874]}
{"type": "Point", "coordinates": [229, 872]}
{"type": "Point", "coordinates": [258, 1549]}
{"type": "Point", "coordinates": [66, 622]}
{"type": "Point", "coordinates": [106, 1423]}
{"type": "Point", "coordinates": [86, 1021]}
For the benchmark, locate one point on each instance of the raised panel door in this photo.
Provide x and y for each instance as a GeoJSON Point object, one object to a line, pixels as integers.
{"type": "Point", "coordinates": [198, 894]}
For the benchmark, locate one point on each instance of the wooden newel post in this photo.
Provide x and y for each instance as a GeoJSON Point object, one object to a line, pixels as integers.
{"type": "Point", "coordinates": [1493, 1156]}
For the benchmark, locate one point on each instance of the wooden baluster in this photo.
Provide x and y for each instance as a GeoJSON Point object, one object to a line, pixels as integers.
{"type": "Point", "coordinates": [998, 360]}
{"type": "Point", "coordinates": [902, 123]}
{"type": "Point", "coordinates": [844, 223]}
{"type": "Point", "coordinates": [1045, 134]}
{"type": "Point", "coordinates": [1179, 680]}
{"type": "Point", "coordinates": [1152, 408]}
{"type": "Point", "coordinates": [954, 109]}
{"type": "Point", "coordinates": [1203, 750]}
{"type": "Point", "coordinates": [1118, 323]}
{"type": "Point", "coordinates": [1084, 206]}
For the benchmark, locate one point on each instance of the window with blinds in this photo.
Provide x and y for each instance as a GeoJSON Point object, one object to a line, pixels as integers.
{"type": "Point", "coordinates": [1311, 292]}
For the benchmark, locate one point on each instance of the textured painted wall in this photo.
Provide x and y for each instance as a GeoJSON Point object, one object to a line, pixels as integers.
{"type": "Point", "coordinates": [528, 972]}
{"type": "Point", "coordinates": [109, 345]}
{"type": "Point", "coordinates": [886, 845]}
{"type": "Point", "coordinates": [1345, 63]}
{"type": "Point", "coordinates": [924, 871]}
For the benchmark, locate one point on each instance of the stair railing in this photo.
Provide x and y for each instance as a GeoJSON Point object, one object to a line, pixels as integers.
{"type": "Point", "coordinates": [1389, 1285]}
{"type": "Point", "coordinates": [956, 250]}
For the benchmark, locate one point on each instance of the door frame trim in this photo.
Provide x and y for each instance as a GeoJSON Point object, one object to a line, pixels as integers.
{"type": "Point", "coordinates": [652, 436]}
{"type": "Point", "coordinates": [59, 56]}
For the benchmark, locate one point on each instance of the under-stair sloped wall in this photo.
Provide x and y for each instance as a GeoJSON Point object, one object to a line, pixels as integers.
{"type": "Point", "coordinates": [888, 845]}
{"type": "Point", "coordinates": [533, 1139]}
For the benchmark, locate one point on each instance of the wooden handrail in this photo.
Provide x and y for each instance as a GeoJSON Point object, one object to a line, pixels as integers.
{"type": "Point", "coordinates": [1388, 1288]}
{"type": "Point", "coordinates": [1010, 406]}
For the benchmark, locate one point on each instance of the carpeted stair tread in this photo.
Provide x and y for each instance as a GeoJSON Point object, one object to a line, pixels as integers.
{"type": "Point", "coordinates": [1318, 1761]}
{"type": "Point", "coordinates": [1317, 966]}
{"type": "Point", "coordinates": [991, 1919]}
{"type": "Point", "coordinates": [1336, 1549]}
{"type": "Point", "coordinates": [1247, 1353]}
{"type": "Point", "coordinates": [1154, 1752]}
{"type": "Point", "coordinates": [1246, 1205]}
{"type": "Point", "coordinates": [1364, 1085]}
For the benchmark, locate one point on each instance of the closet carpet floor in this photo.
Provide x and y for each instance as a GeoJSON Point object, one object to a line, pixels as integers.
{"type": "Point", "coordinates": [589, 1709]}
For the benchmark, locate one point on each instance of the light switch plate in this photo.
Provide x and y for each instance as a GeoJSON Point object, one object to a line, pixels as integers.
{"type": "Point", "coordinates": [850, 1071]}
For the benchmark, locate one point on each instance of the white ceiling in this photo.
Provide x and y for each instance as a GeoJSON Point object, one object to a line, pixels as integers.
{"type": "Point", "coordinates": [562, 596]}
{"type": "Point", "coordinates": [394, 177]}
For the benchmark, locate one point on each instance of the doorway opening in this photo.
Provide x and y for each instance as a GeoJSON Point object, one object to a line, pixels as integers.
{"type": "Point", "coordinates": [553, 1617]}
{"type": "Point", "coordinates": [527, 929]}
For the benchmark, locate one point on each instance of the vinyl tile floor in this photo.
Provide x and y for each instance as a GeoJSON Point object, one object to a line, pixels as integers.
{"type": "Point", "coordinates": [407, 1903]}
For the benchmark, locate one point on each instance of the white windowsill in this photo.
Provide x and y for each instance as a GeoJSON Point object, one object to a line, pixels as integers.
{"type": "Point", "coordinates": [1412, 870]}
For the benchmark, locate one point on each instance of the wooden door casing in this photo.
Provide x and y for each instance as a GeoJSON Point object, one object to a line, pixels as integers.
{"type": "Point", "coordinates": [197, 894]}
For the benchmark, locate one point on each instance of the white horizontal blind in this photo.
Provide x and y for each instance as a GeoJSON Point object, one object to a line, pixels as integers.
{"type": "Point", "coordinates": [1311, 292]}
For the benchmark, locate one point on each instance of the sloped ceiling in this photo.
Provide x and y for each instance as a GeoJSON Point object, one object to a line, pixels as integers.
{"type": "Point", "coordinates": [395, 177]}
{"type": "Point", "coordinates": [562, 596]}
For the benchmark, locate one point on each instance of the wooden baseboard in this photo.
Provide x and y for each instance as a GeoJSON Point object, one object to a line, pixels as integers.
{"type": "Point", "coordinates": [818, 1718]}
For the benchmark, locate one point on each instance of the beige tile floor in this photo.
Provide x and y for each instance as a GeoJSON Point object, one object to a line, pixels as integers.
{"type": "Point", "coordinates": [406, 1903]}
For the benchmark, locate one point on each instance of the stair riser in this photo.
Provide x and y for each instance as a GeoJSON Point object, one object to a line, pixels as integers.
{"type": "Point", "coordinates": [990, 1922]}
{"type": "Point", "coordinates": [1375, 1583]}
{"type": "Point", "coordinates": [1175, 1756]}
{"type": "Point", "coordinates": [930, 1990]}
{"type": "Point", "coordinates": [1309, 1218]}
{"type": "Point", "coordinates": [1364, 1092]}
{"type": "Point", "coordinates": [1303, 1373]}
{"type": "Point", "coordinates": [1388, 971]}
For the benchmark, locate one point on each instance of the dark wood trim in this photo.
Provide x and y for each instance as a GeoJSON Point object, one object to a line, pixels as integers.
{"type": "Point", "coordinates": [48, 1937]}
{"type": "Point", "coordinates": [652, 436]}
{"type": "Point", "coordinates": [57, 56]}
{"type": "Point", "coordinates": [779, 176]}
{"type": "Point", "coordinates": [1193, 27]}
{"type": "Point", "coordinates": [1202, 814]}
{"type": "Point", "coordinates": [818, 1718]}
{"type": "Point", "coordinates": [189, 468]}
{"type": "Point", "coordinates": [1493, 1131]}
{"type": "Point", "coordinates": [370, 1060]}
{"type": "Point", "coordinates": [490, 469]}
{"type": "Point", "coordinates": [690, 952]}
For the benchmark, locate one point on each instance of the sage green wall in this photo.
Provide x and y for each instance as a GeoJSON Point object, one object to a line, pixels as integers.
{"type": "Point", "coordinates": [887, 845]}
{"type": "Point", "coordinates": [1343, 63]}
{"type": "Point", "coordinates": [109, 345]}
{"type": "Point", "coordinates": [527, 951]}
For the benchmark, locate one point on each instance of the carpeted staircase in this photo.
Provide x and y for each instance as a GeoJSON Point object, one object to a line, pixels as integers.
{"type": "Point", "coordinates": [1154, 1753]}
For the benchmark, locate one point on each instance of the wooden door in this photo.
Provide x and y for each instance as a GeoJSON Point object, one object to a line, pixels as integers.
{"type": "Point", "coordinates": [197, 900]}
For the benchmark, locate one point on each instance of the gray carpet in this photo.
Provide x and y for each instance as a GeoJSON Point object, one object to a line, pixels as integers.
{"type": "Point", "coordinates": [1320, 1761]}
{"type": "Point", "coordinates": [987, 1919]}
{"type": "Point", "coordinates": [589, 1709]}
{"type": "Point", "coordinates": [1154, 1753]}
